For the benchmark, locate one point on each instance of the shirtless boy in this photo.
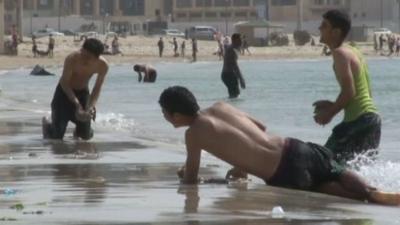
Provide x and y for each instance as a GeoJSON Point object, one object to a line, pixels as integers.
{"type": "Point", "coordinates": [72, 100]}
{"type": "Point", "coordinates": [150, 73]}
{"type": "Point", "coordinates": [242, 141]}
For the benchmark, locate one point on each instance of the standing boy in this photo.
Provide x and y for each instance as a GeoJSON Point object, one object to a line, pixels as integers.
{"type": "Point", "coordinates": [360, 129]}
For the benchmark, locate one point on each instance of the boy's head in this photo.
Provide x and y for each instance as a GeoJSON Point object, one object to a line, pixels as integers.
{"type": "Point", "coordinates": [93, 46]}
{"type": "Point", "coordinates": [136, 68]}
{"type": "Point", "coordinates": [178, 101]}
{"type": "Point", "coordinates": [236, 39]}
{"type": "Point", "coordinates": [335, 26]}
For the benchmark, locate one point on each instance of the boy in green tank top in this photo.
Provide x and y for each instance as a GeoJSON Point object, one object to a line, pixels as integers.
{"type": "Point", "coordinates": [360, 129]}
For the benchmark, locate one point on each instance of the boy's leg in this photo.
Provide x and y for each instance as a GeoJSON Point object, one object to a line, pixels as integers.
{"type": "Point", "coordinates": [348, 185]}
{"type": "Point", "coordinates": [54, 129]}
{"type": "Point", "coordinates": [351, 185]}
{"type": "Point", "coordinates": [83, 130]}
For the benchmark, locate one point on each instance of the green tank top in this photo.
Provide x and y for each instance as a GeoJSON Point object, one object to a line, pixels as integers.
{"type": "Point", "coordinates": [362, 102]}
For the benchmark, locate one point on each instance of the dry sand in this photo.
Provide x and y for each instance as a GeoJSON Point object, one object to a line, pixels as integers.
{"type": "Point", "coordinates": [140, 49]}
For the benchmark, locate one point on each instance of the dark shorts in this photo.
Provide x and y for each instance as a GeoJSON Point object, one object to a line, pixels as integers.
{"type": "Point", "coordinates": [231, 81]}
{"type": "Point", "coordinates": [63, 111]}
{"type": "Point", "coordinates": [355, 137]}
{"type": "Point", "coordinates": [51, 47]}
{"type": "Point", "coordinates": [152, 76]}
{"type": "Point", "coordinates": [305, 166]}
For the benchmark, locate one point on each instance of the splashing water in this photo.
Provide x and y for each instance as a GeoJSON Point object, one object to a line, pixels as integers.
{"type": "Point", "coordinates": [383, 174]}
{"type": "Point", "coordinates": [115, 121]}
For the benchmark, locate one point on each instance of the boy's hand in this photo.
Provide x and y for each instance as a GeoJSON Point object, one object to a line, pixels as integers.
{"type": "Point", "coordinates": [322, 112]}
{"type": "Point", "coordinates": [181, 172]}
{"type": "Point", "coordinates": [92, 112]}
{"type": "Point", "coordinates": [242, 83]}
{"type": "Point", "coordinates": [235, 174]}
{"type": "Point", "coordinates": [82, 115]}
{"type": "Point", "coordinates": [322, 105]}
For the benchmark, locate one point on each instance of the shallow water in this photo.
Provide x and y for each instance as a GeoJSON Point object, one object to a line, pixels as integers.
{"type": "Point", "coordinates": [126, 174]}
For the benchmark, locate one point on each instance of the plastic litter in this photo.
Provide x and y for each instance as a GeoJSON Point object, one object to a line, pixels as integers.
{"type": "Point", "coordinates": [277, 212]}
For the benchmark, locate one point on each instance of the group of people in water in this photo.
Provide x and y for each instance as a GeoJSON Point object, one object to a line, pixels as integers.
{"type": "Point", "coordinates": [238, 138]}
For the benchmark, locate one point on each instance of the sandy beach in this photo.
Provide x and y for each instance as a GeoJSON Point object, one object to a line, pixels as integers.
{"type": "Point", "coordinates": [140, 49]}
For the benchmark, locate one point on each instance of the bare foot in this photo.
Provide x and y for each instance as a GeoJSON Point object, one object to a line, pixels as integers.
{"type": "Point", "coordinates": [45, 127]}
{"type": "Point", "coordinates": [385, 198]}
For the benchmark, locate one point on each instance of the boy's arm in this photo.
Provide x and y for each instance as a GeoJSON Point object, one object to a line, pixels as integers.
{"type": "Point", "coordinates": [191, 171]}
{"type": "Point", "coordinates": [97, 87]}
{"type": "Point", "coordinates": [344, 75]}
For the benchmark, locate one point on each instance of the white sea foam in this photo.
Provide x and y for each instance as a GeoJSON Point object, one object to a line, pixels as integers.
{"type": "Point", "coordinates": [114, 121]}
{"type": "Point", "coordinates": [383, 174]}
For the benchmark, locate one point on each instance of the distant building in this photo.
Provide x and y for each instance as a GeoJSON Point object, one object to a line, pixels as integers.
{"type": "Point", "coordinates": [1, 26]}
{"type": "Point", "coordinates": [374, 13]}
{"type": "Point", "coordinates": [129, 15]}
{"type": "Point", "coordinates": [217, 10]}
{"type": "Point", "coordinates": [134, 15]}
{"type": "Point", "coordinates": [289, 12]}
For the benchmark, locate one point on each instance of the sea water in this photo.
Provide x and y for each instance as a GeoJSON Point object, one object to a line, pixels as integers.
{"type": "Point", "coordinates": [279, 93]}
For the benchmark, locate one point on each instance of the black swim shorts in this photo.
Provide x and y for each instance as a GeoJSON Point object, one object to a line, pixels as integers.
{"type": "Point", "coordinates": [355, 137]}
{"type": "Point", "coordinates": [63, 111]}
{"type": "Point", "coordinates": [231, 81]}
{"type": "Point", "coordinates": [305, 166]}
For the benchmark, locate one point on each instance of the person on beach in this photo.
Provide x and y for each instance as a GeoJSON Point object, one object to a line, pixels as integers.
{"type": "Point", "coordinates": [360, 129]}
{"type": "Point", "coordinates": [150, 73]}
{"type": "Point", "coordinates": [51, 46]}
{"type": "Point", "coordinates": [244, 142]}
{"type": "Point", "coordinates": [231, 74]}
{"type": "Point", "coordinates": [15, 40]}
{"type": "Point", "coordinates": [194, 49]}
{"type": "Point", "coordinates": [183, 47]}
{"type": "Point", "coordinates": [160, 45]}
{"type": "Point", "coordinates": [175, 44]}
{"type": "Point", "coordinates": [72, 100]}
{"type": "Point", "coordinates": [34, 46]}
{"type": "Point", "coordinates": [115, 46]}
{"type": "Point", "coordinates": [245, 46]}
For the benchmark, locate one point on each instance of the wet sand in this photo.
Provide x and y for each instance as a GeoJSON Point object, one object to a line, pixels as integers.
{"type": "Point", "coordinates": [127, 181]}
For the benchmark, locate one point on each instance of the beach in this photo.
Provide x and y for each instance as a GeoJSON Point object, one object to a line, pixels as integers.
{"type": "Point", "coordinates": [143, 49]}
{"type": "Point", "coordinates": [127, 173]}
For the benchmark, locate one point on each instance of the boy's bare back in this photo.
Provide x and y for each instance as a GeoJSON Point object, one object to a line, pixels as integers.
{"type": "Point", "coordinates": [236, 138]}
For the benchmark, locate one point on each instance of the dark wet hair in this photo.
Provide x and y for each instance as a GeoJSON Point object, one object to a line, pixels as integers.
{"type": "Point", "coordinates": [339, 19]}
{"type": "Point", "coordinates": [236, 36]}
{"type": "Point", "coordinates": [178, 99]}
{"type": "Point", "coordinates": [136, 67]}
{"type": "Point", "coordinates": [93, 46]}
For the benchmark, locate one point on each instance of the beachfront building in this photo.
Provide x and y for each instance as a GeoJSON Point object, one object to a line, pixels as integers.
{"type": "Point", "coordinates": [306, 14]}
{"type": "Point", "coordinates": [222, 14]}
{"type": "Point", "coordinates": [133, 15]}
{"type": "Point", "coordinates": [376, 13]}
{"type": "Point", "coordinates": [302, 14]}
{"type": "Point", "coordinates": [126, 15]}
{"type": "Point", "coordinates": [1, 26]}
